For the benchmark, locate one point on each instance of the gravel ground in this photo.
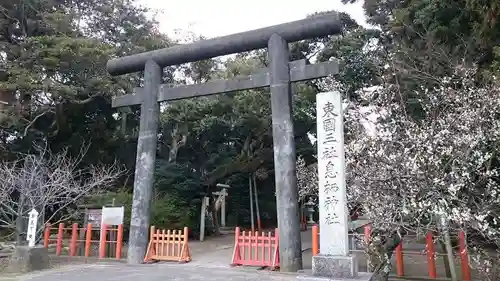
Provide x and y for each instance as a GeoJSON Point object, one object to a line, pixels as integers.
{"type": "Point", "coordinates": [151, 272]}
{"type": "Point", "coordinates": [55, 264]}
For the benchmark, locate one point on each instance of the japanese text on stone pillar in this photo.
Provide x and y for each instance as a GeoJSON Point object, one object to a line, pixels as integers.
{"type": "Point", "coordinates": [329, 155]}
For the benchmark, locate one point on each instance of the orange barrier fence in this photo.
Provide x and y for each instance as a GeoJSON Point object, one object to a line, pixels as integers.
{"type": "Point", "coordinates": [75, 237]}
{"type": "Point", "coordinates": [168, 246]}
{"type": "Point", "coordinates": [254, 249]}
{"type": "Point", "coordinates": [399, 253]}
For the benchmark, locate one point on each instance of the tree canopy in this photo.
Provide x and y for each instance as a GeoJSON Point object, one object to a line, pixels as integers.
{"type": "Point", "coordinates": [406, 82]}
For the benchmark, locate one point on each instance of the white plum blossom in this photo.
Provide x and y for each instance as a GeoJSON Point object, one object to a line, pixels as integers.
{"type": "Point", "coordinates": [307, 178]}
{"type": "Point", "coordinates": [415, 159]}
{"type": "Point", "coordinates": [434, 155]}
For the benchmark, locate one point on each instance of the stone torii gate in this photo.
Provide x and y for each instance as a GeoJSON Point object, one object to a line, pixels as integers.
{"type": "Point", "coordinates": [278, 77]}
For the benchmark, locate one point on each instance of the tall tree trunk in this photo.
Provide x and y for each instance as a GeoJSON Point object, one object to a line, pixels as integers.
{"type": "Point", "coordinates": [179, 138]}
{"type": "Point", "coordinates": [259, 223]}
{"type": "Point", "coordinates": [250, 191]}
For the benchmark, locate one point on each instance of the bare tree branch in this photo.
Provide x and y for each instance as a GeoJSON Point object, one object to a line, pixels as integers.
{"type": "Point", "coordinates": [51, 183]}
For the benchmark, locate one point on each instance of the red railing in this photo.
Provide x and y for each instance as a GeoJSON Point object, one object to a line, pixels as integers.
{"type": "Point", "coordinates": [256, 249]}
{"type": "Point", "coordinates": [76, 237]}
{"type": "Point", "coordinates": [399, 254]}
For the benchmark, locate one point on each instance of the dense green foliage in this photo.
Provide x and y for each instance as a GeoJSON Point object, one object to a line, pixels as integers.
{"type": "Point", "coordinates": [52, 72]}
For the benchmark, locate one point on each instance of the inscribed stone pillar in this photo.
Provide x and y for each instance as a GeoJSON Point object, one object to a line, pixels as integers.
{"type": "Point", "coordinates": [334, 261]}
{"type": "Point", "coordinates": [333, 214]}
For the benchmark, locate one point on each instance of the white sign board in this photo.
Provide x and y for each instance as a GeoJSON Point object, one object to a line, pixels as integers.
{"type": "Point", "coordinates": [333, 212]}
{"type": "Point", "coordinates": [112, 215]}
{"type": "Point", "coordinates": [32, 223]}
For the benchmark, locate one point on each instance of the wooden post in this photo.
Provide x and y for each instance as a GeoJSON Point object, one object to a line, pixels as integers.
{"type": "Point", "coordinates": [236, 237]}
{"type": "Point", "coordinates": [46, 235]}
{"type": "Point", "coordinates": [367, 237]}
{"type": "Point", "coordinates": [152, 231]}
{"type": "Point", "coordinates": [88, 240]}
{"type": "Point", "coordinates": [185, 238]}
{"type": "Point", "coordinates": [74, 238]}
{"type": "Point", "coordinates": [464, 257]}
{"type": "Point", "coordinates": [368, 233]}
{"type": "Point", "coordinates": [82, 232]}
{"type": "Point", "coordinates": [113, 232]}
{"type": "Point", "coordinates": [60, 233]}
{"type": "Point", "coordinates": [431, 256]}
{"type": "Point", "coordinates": [223, 210]}
{"type": "Point", "coordinates": [315, 241]}
{"type": "Point", "coordinates": [204, 204]}
{"type": "Point", "coordinates": [119, 242]}
{"type": "Point", "coordinates": [399, 260]}
{"type": "Point", "coordinates": [102, 241]}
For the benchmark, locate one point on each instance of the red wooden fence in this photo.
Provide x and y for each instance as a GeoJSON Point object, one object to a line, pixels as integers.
{"type": "Point", "coordinates": [256, 249]}
{"type": "Point", "coordinates": [399, 253]}
{"type": "Point", "coordinates": [72, 234]}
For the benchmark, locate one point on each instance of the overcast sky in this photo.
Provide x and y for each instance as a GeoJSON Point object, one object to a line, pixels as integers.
{"type": "Point", "coordinates": [213, 18]}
